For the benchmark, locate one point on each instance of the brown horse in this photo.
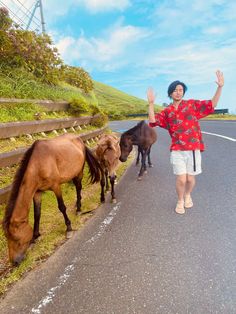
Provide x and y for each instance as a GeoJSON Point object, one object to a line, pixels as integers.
{"type": "Point", "coordinates": [45, 166]}
{"type": "Point", "coordinates": [143, 136]}
{"type": "Point", "coordinates": [108, 153]}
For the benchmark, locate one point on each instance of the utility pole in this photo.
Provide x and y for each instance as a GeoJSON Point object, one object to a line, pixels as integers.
{"type": "Point", "coordinates": [39, 5]}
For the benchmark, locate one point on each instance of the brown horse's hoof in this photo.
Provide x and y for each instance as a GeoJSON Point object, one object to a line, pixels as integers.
{"type": "Point", "coordinates": [145, 172]}
{"type": "Point", "coordinates": [69, 234]}
{"type": "Point", "coordinates": [139, 178]}
{"type": "Point", "coordinates": [113, 201]}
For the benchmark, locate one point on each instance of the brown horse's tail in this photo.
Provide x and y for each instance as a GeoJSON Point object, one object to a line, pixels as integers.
{"type": "Point", "coordinates": [94, 166]}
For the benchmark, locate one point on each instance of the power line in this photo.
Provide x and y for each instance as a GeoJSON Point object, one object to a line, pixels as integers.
{"type": "Point", "coordinates": [14, 15]}
{"type": "Point", "coordinates": [29, 12]}
{"type": "Point", "coordinates": [27, 15]}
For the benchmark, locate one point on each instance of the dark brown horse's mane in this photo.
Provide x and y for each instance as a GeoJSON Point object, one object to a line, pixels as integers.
{"type": "Point", "coordinates": [15, 187]}
{"type": "Point", "coordinates": [135, 128]}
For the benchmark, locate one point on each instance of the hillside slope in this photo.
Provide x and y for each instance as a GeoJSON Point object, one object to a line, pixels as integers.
{"type": "Point", "coordinates": [115, 101]}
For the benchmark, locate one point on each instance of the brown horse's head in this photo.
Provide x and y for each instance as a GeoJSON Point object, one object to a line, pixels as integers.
{"type": "Point", "coordinates": [19, 235]}
{"type": "Point", "coordinates": [126, 145]}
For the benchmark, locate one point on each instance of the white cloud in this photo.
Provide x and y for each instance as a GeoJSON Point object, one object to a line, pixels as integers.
{"type": "Point", "coordinates": [93, 6]}
{"type": "Point", "coordinates": [64, 44]}
{"type": "Point", "coordinates": [193, 63]}
{"type": "Point", "coordinates": [101, 53]}
{"type": "Point", "coordinates": [215, 30]}
{"type": "Point", "coordinates": [177, 17]}
{"type": "Point", "coordinates": [103, 5]}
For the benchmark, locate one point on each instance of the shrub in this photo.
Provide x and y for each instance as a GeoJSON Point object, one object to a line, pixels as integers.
{"type": "Point", "coordinates": [78, 77]}
{"type": "Point", "coordinates": [100, 121]}
{"type": "Point", "coordinates": [78, 106]}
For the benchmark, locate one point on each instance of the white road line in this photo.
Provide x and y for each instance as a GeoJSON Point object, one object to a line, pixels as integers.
{"type": "Point", "coordinates": [70, 268]}
{"type": "Point", "coordinates": [225, 137]}
{"type": "Point", "coordinates": [105, 223]}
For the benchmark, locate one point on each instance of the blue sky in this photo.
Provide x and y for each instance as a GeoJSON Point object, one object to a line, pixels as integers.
{"type": "Point", "coordinates": [134, 44]}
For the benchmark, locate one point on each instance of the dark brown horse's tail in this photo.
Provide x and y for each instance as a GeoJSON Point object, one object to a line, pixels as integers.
{"type": "Point", "coordinates": [94, 166]}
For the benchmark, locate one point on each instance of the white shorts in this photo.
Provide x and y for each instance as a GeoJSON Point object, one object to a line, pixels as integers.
{"type": "Point", "coordinates": [183, 162]}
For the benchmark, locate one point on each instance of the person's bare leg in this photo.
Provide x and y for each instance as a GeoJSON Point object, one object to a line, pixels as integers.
{"type": "Point", "coordinates": [189, 184]}
{"type": "Point", "coordinates": [180, 189]}
{"type": "Point", "coordinates": [189, 187]}
{"type": "Point", "coordinates": [180, 186]}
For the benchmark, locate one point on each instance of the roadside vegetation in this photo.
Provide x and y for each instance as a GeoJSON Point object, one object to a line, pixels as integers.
{"type": "Point", "coordinates": [52, 226]}
{"type": "Point", "coordinates": [31, 68]}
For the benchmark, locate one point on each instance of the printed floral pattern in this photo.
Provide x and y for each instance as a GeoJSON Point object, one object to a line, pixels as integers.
{"type": "Point", "coordinates": [182, 123]}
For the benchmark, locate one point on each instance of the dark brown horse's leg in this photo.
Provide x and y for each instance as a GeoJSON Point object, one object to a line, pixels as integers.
{"type": "Point", "coordinates": [143, 166]}
{"type": "Point", "coordinates": [37, 214]}
{"type": "Point", "coordinates": [112, 181]}
{"type": "Point", "coordinates": [139, 152]}
{"type": "Point", "coordinates": [107, 183]}
{"type": "Point", "coordinates": [62, 208]}
{"type": "Point", "coordinates": [102, 183]}
{"type": "Point", "coordinates": [78, 185]}
{"type": "Point", "coordinates": [149, 159]}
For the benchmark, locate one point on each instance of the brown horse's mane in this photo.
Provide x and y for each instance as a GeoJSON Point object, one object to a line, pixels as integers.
{"type": "Point", "coordinates": [135, 128]}
{"type": "Point", "coordinates": [15, 187]}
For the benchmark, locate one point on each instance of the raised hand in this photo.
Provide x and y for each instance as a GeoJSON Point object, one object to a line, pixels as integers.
{"type": "Point", "coordinates": [151, 95]}
{"type": "Point", "coordinates": [220, 78]}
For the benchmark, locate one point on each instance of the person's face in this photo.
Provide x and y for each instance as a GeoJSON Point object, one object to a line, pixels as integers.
{"type": "Point", "coordinates": [178, 93]}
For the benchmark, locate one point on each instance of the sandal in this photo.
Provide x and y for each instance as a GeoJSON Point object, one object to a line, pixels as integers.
{"type": "Point", "coordinates": [188, 202]}
{"type": "Point", "coordinates": [180, 207]}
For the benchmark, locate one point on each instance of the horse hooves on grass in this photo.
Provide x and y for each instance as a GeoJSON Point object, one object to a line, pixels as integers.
{"type": "Point", "coordinates": [69, 234]}
{"type": "Point", "coordinates": [78, 213]}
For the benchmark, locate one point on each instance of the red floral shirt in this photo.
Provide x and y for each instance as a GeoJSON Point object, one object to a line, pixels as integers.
{"type": "Point", "coordinates": [182, 123]}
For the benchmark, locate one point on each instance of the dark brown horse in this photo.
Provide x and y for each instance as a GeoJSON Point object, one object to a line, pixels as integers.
{"type": "Point", "coordinates": [45, 166]}
{"type": "Point", "coordinates": [108, 153]}
{"type": "Point", "coordinates": [143, 136]}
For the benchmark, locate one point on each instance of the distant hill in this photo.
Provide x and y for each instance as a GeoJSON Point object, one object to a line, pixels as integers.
{"type": "Point", "coordinates": [18, 83]}
{"type": "Point", "coordinates": [116, 102]}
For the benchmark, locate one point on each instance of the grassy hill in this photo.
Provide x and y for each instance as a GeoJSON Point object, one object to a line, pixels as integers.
{"type": "Point", "coordinates": [21, 84]}
{"type": "Point", "coordinates": [117, 102]}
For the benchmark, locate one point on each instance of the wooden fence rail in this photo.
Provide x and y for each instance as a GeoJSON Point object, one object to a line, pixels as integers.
{"type": "Point", "coordinates": [12, 129]}
{"type": "Point", "coordinates": [49, 105]}
{"type": "Point", "coordinates": [15, 158]}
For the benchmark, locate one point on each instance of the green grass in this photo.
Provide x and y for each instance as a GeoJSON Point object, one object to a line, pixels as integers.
{"type": "Point", "coordinates": [7, 144]}
{"type": "Point", "coordinates": [52, 227]}
{"type": "Point", "coordinates": [222, 117]}
{"type": "Point", "coordinates": [20, 84]}
{"type": "Point", "coordinates": [27, 112]}
{"type": "Point", "coordinates": [116, 102]}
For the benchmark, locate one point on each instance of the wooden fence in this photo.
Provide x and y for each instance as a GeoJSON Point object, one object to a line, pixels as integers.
{"type": "Point", "coordinates": [49, 105]}
{"type": "Point", "coordinates": [12, 129]}
{"type": "Point", "coordinates": [15, 129]}
{"type": "Point", "coordinates": [13, 157]}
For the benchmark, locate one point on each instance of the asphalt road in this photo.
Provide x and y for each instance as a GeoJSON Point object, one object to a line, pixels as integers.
{"type": "Point", "coordinates": [138, 256]}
